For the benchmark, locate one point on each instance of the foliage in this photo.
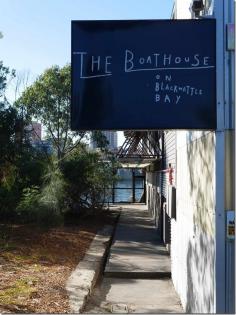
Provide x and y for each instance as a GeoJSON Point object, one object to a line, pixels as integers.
{"type": "Point", "coordinates": [17, 178]}
{"type": "Point", "coordinates": [44, 204]}
{"type": "Point", "coordinates": [31, 166]}
{"type": "Point", "coordinates": [8, 134]}
{"type": "Point", "coordinates": [100, 139]}
{"type": "Point", "coordinates": [87, 179]}
{"type": "Point", "coordinates": [9, 197]}
{"type": "Point", "coordinates": [34, 188]}
{"type": "Point", "coordinates": [5, 76]}
{"type": "Point", "coordinates": [28, 206]}
{"type": "Point", "coordinates": [9, 127]}
{"type": "Point", "coordinates": [48, 100]}
{"type": "Point", "coordinates": [21, 166]}
{"type": "Point", "coordinates": [77, 184]}
{"type": "Point", "coordinates": [53, 191]}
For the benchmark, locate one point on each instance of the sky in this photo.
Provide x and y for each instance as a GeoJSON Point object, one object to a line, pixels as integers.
{"type": "Point", "coordinates": [37, 35]}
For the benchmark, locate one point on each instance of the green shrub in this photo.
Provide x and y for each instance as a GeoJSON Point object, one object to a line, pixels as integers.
{"type": "Point", "coordinates": [44, 206]}
{"type": "Point", "coordinates": [31, 169]}
{"type": "Point", "coordinates": [9, 192]}
{"type": "Point", "coordinates": [29, 205]}
{"type": "Point", "coordinates": [52, 198]}
{"type": "Point", "coordinates": [87, 180]}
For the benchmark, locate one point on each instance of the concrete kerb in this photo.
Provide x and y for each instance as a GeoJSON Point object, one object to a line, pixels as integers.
{"type": "Point", "coordinates": [83, 279]}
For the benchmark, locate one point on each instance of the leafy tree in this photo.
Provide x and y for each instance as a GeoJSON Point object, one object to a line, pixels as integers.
{"type": "Point", "coordinates": [20, 166]}
{"type": "Point", "coordinates": [48, 100]}
{"type": "Point", "coordinates": [8, 129]}
{"type": "Point", "coordinates": [31, 187]}
{"type": "Point", "coordinates": [8, 122]}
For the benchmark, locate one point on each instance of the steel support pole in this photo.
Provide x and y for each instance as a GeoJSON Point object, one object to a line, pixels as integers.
{"type": "Point", "coordinates": [220, 266]}
{"type": "Point", "coordinates": [133, 185]}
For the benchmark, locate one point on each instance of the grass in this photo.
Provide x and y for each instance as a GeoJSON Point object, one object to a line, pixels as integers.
{"type": "Point", "coordinates": [18, 291]}
{"type": "Point", "coordinates": [33, 256]}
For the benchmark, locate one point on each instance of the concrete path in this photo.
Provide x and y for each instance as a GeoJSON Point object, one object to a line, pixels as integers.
{"type": "Point", "coordinates": [137, 274]}
{"type": "Point", "coordinates": [136, 251]}
{"type": "Point", "coordinates": [134, 296]}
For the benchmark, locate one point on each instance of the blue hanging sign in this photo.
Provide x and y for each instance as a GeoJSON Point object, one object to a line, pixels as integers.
{"type": "Point", "coordinates": [143, 74]}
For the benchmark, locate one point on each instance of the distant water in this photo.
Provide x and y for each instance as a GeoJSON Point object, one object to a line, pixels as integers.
{"type": "Point", "coordinates": [123, 191]}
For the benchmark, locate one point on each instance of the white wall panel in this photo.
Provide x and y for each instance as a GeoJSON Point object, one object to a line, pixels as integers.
{"type": "Point", "coordinates": [192, 233]}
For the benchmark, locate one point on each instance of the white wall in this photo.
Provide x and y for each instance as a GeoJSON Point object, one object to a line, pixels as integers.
{"type": "Point", "coordinates": [192, 233]}
{"type": "Point", "coordinates": [153, 195]}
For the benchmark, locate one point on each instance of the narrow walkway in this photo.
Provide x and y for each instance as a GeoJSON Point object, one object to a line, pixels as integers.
{"type": "Point", "coordinates": [137, 251]}
{"type": "Point", "coordinates": [137, 274]}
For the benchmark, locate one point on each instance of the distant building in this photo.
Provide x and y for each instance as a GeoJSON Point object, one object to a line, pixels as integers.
{"type": "Point", "coordinates": [112, 138]}
{"type": "Point", "coordinates": [34, 132]}
{"type": "Point", "coordinates": [34, 136]}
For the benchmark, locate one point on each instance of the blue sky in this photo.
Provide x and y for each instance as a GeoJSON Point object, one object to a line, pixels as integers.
{"type": "Point", "coordinates": [37, 32]}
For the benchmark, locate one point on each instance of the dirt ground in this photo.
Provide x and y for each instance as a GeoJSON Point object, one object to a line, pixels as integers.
{"type": "Point", "coordinates": [35, 263]}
